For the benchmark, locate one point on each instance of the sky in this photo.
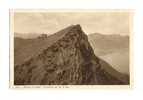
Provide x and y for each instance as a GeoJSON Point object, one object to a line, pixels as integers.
{"type": "Point", "coordinates": [91, 22]}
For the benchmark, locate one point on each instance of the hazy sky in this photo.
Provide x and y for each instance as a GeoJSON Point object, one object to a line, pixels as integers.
{"type": "Point", "coordinates": [91, 22]}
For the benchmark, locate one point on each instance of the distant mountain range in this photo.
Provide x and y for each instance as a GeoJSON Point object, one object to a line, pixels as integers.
{"type": "Point", "coordinates": [104, 44]}
{"type": "Point", "coordinates": [26, 35]}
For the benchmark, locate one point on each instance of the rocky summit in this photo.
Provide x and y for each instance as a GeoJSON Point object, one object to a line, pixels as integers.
{"type": "Point", "coordinates": [63, 58]}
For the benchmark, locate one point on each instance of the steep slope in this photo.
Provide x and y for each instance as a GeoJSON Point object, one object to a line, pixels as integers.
{"type": "Point", "coordinates": [113, 49]}
{"type": "Point", "coordinates": [64, 58]}
{"type": "Point", "coordinates": [26, 48]}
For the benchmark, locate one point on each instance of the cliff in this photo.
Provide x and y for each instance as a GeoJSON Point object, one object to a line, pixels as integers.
{"type": "Point", "coordinates": [64, 58]}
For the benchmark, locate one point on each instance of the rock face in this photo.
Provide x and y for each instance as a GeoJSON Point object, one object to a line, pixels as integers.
{"type": "Point", "coordinates": [67, 60]}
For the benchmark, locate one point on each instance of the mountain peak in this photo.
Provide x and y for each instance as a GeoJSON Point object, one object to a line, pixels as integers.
{"type": "Point", "coordinates": [77, 26]}
{"type": "Point", "coordinates": [64, 58]}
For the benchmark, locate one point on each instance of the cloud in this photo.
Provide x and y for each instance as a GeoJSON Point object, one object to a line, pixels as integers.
{"type": "Point", "coordinates": [50, 22]}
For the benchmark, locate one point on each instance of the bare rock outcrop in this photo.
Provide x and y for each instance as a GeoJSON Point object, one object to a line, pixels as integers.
{"type": "Point", "coordinates": [67, 60]}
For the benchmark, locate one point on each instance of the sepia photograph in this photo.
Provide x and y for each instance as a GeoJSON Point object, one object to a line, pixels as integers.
{"type": "Point", "coordinates": [70, 48]}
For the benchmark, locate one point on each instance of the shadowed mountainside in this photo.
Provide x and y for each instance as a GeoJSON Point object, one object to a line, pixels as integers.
{"type": "Point", "coordinates": [64, 58]}
{"type": "Point", "coordinates": [114, 49]}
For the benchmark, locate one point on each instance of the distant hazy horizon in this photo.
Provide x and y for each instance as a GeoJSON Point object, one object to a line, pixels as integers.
{"type": "Point", "coordinates": [91, 22]}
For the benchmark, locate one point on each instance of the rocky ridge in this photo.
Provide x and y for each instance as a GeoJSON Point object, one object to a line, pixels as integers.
{"type": "Point", "coordinates": [68, 60]}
